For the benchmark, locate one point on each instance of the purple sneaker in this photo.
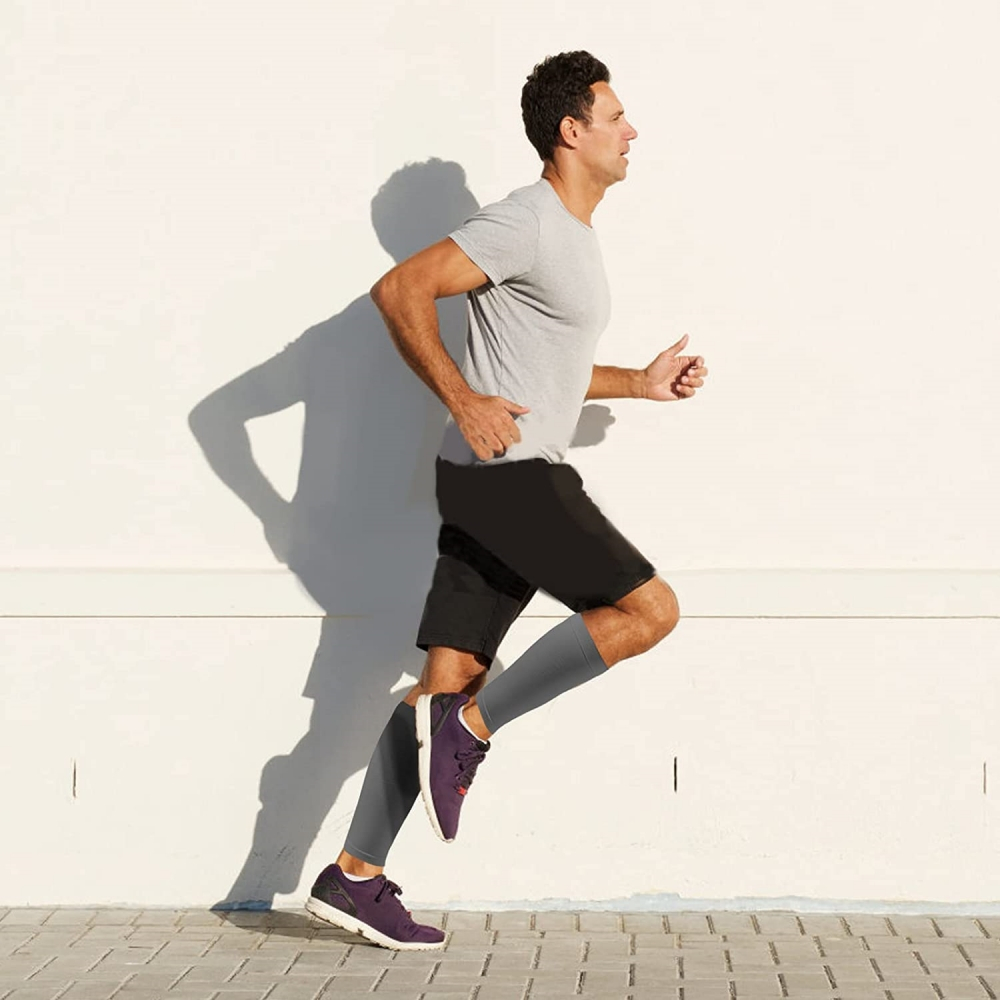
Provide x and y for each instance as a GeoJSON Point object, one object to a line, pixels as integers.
{"type": "Point", "coordinates": [447, 756]}
{"type": "Point", "coordinates": [370, 909]}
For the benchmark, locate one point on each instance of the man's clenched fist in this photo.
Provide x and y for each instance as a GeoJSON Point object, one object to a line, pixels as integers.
{"type": "Point", "coordinates": [487, 423]}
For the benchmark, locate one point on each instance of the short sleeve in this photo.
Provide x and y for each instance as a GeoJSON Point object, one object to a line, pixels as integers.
{"type": "Point", "coordinates": [501, 239]}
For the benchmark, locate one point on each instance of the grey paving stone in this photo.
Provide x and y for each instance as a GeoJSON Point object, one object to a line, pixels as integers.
{"type": "Point", "coordinates": [925, 992]}
{"type": "Point", "coordinates": [501, 991]}
{"type": "Point", "coordinates": [824, 925]}
{"type": "Point", "coordinates": [607, 945]}
{"type": "Point", "coordinates": [756, 984]}
{"type": "Point", "coordinates": [70, 916]}
{"type": "Point", "coordinates": [191, 918]}
{"type": "Point", "coordinates": [732, 922]}
{"type": "Point", "coordinates": [341, 984]}
{"type": "Point", "coordinates": [775, 925]}
{"type": "Point", "coordinates": [466, 920]}
{"type": "Point", "coordinates": [26, 916]}
{"type": "Point", "coordinates": [508, 920]}
{"type": "Point", "coordinates": [52, 942]}
{"type": "Point", "coordinates": [689, 923]}
{"type": "Point", "coordinates": [556, 920]}
{"type": "Point", "coordinates": [796, 980]}
{"type": "Point", "coordinates": [104, 917]}
{"type": "Point", "coordinates": [33, 993]}
{"type": "Point", "coordinates": [195, 992]}
{"type": "Point", "coordinates": [960, 927]}
{"type": "Point", "coordinates": [646, 940]}
{"type": "Point", "coordinates": [158, 918]}
{"type": "Point", "coordinates": [757, 953]}
{"type": "Point", "coordinates": [983, 952]}
{"type": "Point", "coordinates": [707, 987]}
{"type": "Point", "coordinates": [299, 988]}
{"type": "Point", "coordinates": [648, 922]}
{"type": "Point", "coordinates": [454, 969]}
{"type": "Point", "coordinates": [93, 989]}
{"type": "Point", "coordinates": [252, 984]}
{"type": "Point", "coordinates": [591, 921]}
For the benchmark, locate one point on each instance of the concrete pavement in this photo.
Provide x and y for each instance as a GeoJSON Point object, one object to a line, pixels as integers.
{"type": "Point", "coordinates": [100, 954]}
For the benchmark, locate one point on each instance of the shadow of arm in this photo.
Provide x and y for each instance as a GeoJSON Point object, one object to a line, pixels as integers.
{"type": "Point", "coordinates": [218, 424]}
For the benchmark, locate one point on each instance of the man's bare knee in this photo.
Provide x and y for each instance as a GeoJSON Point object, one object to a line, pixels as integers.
{"type": "Point", "coordinates": [447, 669]}
{"type": "Point", "coordinates": [654, 605]}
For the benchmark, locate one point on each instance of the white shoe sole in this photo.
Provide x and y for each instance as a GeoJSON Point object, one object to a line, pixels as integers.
{"type": "Point", "coordinates": [348, 923]}
{"type": "Point", "coordinates": [424, 762]}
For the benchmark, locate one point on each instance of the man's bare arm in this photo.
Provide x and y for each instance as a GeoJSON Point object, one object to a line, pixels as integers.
{"type": "Point", "coordinates": [608, 382]}
{"type": "Point", "coordinates": [405, 297]}
{"type": "Point", "coordinates": [670, 375]}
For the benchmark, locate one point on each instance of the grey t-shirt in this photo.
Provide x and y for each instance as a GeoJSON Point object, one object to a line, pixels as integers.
{"type": "Point", "coordinates": [533, 328]}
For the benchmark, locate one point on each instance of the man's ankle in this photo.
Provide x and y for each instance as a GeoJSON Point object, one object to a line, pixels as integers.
{"type": "Point", "coordinates": [355, 866]}
{"type": "Point", "coordinates": [474, 720]}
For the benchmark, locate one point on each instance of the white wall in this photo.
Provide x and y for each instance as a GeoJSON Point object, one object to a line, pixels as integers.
{"type": "Point", "coordinates": [194, 215]}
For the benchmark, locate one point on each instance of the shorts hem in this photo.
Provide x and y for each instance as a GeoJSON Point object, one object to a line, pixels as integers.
{"type": "Point", "coordinates": [425, 641]}
{"type": "Point", "coordinates": [615, 595]}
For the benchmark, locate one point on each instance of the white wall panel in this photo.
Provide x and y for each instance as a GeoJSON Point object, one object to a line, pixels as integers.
{"type": "Point", "coordinates": [197, 198]}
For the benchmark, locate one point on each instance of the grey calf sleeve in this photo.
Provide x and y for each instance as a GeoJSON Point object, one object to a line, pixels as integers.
{"type": "Point", "coordinates": [563, 658]}
{"type": "Point", "coordinates": [391, 787]}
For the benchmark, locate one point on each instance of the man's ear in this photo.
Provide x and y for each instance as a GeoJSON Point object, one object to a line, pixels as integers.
{"type": "Point", "coordinates": [569, 130]}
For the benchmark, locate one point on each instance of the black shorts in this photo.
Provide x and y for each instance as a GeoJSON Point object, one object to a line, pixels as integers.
{"type": "Point", "coordinates": [512, 528]}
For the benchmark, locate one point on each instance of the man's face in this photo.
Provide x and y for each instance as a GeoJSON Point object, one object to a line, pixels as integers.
{"type": "Point", "coordinates": [604, 144]}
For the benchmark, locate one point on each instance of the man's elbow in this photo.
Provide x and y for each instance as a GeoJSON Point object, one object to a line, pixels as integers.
{"type": "Point", "coordinates": [381, 291]}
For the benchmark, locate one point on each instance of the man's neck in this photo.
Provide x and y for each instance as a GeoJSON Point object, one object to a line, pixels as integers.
{"type": "Point", "coordinates": [579, 194]}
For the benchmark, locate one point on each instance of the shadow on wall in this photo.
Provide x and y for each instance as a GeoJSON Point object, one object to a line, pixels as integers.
{"type": "Point", "coordinates": [361, 531]}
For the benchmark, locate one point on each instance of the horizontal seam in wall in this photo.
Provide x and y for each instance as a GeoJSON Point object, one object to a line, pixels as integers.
{"type": "Point", "coordinates": [539, 617]}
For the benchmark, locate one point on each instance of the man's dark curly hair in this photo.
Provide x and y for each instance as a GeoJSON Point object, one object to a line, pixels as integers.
{"type": "Point", "coordinates": [559, 86]}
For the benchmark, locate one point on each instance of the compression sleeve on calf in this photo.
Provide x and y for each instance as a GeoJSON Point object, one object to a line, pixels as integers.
{"type": "Point", "coordinates": [391, 786]}
{"type": "Point", "coordinates": [563, 658]}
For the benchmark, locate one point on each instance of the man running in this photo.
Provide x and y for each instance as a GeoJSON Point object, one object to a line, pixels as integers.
{"type": "Point", "coordinates": [515, 516]}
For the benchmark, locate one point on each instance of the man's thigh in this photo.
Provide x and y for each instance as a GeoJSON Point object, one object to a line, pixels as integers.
{"type": "Point", "coordinates": [536, 518]}
{"type": "Point", "coordinates": [473, 600]}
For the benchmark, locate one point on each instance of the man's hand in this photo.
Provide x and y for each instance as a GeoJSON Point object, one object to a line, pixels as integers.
{"type": "Point", "coordinates": [673, 376]}
{"type": "Point", "coordinates": [486, 423]}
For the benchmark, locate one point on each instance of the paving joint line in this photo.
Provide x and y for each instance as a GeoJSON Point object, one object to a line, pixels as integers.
{"type": "Point", "coordinates": [240, 965]}
{"type": "Point", "coordinates": [122, 985]}
{"type": "Point", "coordinates": [34, 972]}
{"type": "Point", "coordinates": [90, 968]}
{"type": "Point", "coordinates": [180, 977]}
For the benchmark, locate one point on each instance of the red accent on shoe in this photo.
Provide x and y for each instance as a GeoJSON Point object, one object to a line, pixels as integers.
{"type": "Point", "coordinates": [463, 791]}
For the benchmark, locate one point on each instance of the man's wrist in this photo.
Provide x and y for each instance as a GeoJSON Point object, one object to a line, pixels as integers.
{"type": "Point", "coordinates": [455, 396]}
{"type": "Point", "coordinates": [639, 384]}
